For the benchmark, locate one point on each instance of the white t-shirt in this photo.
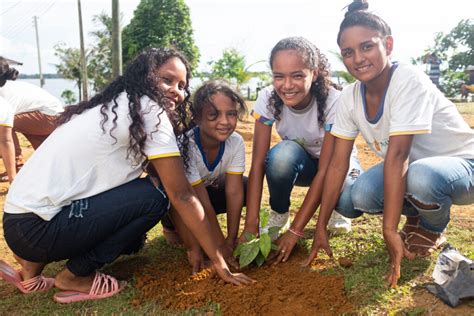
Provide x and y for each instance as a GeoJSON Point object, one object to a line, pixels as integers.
{"type": "Point", "coordinates": [231, 159]}
{"type": "Point", "coordinates": [301, 126]}
{"type": "Point", "coordinates": [25, 97]}
{"type": "Point", "coordinates": [7, 113]}
{"type": "Point", "coordinates": [80, 160]}
{"type": "Point", "coordinates": [412, 105]}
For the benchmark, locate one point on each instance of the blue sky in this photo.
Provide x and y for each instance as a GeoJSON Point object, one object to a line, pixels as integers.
{"type": "Point", "coordinates": [251, 26]}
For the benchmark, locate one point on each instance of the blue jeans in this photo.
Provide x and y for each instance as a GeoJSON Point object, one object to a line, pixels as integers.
{"type": "Point", "coordinates": [288, 164]}
{"type": "Point", "coordinates": [435, 181]}
{"type": "Point", "coordinates": [90, 232]}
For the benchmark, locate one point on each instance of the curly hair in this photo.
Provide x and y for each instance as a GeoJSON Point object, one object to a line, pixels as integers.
{"type": "Point", "coordinates": [140, 79]}
{"type": "Point", "coordinates": [357, 15]}
{"type": "Point", "coordinates": [203, 94]}
{"type": "Point", "coordinates": [6, 73]}
{"type": "Point", "coordinates": [313, 59]}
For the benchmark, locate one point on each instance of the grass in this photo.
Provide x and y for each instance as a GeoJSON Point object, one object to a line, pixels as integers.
{"type": "Point", "coordinates": [363, 281]}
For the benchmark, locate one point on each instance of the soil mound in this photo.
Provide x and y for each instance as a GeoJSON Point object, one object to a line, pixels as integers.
{"type": "Point", "coordinates": [284, 289]}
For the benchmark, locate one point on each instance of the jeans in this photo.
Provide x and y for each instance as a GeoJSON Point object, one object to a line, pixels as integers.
{"type": "Point", "coordinates": [217, 198]}
{"type": "Point", "coordinates": [288, 164]}
{"type": "Point", "coordinates": [90, 232]}
{"type": "Point", "coordinates": [435, 181]}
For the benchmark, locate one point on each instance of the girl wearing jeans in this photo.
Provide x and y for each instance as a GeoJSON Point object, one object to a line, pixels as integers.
{"type": "Point", "coordinates": [80, 198]}
{"type": "Point", "coordinates": [301, 104]}
{"type": "Point", "coordinates": [427, 147]}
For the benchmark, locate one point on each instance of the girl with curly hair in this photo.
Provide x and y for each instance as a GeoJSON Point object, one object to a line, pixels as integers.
{"type": "Point", "coordinates": [80, 196]}
{"type": "Point", "coordinates": [301, 103]}
{"type": "Point", "coordinates": [24, 108]}
{"type": "Point", "coordinates": [217, 164]}
{"type": "Point", "coordinates": [427, 147]}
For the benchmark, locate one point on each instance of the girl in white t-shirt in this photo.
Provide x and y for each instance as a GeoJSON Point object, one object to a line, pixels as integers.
{"type": "Point", "coordinates": [80, 196]}
{"type": "Point", "coordinates": [24, 108]}
{"type": "Point", "coordinates": [301, 103]}
{"type": "Point", "coordinates": [216, 166]}
{"type": "Point", "coordinates": [427, 147]}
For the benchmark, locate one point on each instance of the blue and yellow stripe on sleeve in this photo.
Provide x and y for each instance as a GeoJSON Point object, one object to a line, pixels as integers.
{"type": "Point", "coordinates": [262, 119]}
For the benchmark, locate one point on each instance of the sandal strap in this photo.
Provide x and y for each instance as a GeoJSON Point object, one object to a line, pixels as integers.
{"type": "Point", "coordinates": [433, 243]}
{"type": "Point", "coordinates": [103, 284]}
{"type": "Point", "coordinates": [38, 283]}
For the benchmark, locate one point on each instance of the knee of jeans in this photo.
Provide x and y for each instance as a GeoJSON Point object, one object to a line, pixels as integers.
{"type": "Point", "coordinates": [345, 207]}
{"type": "Point", "coordinates": [282, 160]}
{"type": "Point", "coordinates": [365, 197]}
{"type": "Point", "coordinates": [424, 187]}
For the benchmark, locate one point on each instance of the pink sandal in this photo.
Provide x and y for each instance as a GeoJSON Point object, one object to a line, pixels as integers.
{"type": "Point", "coordinates": [36, 284]}
{"type": "Point", "coordinates": [103, 286]}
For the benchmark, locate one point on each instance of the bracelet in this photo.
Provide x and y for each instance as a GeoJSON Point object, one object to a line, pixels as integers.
{"type": "Point", "coordinates": [296, 233]}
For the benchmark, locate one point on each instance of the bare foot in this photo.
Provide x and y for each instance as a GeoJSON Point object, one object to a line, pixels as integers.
{"type": "Point", "coordinates": [67, 281]}
{"type": "Point", "coordinates": [29, 269]}
{"type": "Point", "coordinates": [173, 238]}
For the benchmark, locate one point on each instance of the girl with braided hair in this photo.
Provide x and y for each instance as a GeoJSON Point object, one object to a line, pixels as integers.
{"type": "Point", "coordinates": [80, 196]}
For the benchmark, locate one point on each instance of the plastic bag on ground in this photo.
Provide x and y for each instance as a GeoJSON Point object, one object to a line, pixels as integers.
{"type": "Point", "coordinates": [453, 276]}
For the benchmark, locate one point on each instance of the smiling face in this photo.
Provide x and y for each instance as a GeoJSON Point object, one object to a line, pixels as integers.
{"type": "Point", "coordinates": [218, 120]}
{"type": "Point", "coordinates": [172, 80]}
{"type": "Point", "coordinates": [292, 78]}
{"type": "Point", "coordinates": [365, 53]}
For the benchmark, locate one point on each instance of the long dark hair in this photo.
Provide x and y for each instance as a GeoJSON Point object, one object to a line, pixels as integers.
{"type": "Point", "coordinates": [357, 15]}
{"type": "Point", "coordinates": [202, 97]}
{"type": "Point", "coordinates": [140, 79]}
{"type": "Point", "coordinates": [6, 72]}
{"type": "Point", "coordinates": [313, 59]}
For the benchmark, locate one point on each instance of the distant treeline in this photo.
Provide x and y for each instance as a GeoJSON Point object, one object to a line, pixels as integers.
{"type": "Point", "coordinates": [36, 76]}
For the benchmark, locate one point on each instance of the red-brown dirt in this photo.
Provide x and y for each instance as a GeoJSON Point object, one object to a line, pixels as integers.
{"type": "Point", "coordinates": [284, 289]}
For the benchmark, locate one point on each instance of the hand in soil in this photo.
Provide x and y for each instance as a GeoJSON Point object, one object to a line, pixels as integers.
{"type": "Point", "coordinates": [397, 251]}
{"type": "Point", "coordinates": [196, 260]}
{"type": "Point", "coordinates": [320, 241]}
{"type": "Point", "coordinates": [285, 244]}
{"type": "Point", "coordinates": [235, 278]}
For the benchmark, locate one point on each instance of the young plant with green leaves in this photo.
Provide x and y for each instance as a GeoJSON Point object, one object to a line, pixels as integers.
{"type": "Point", "coordinates": [257, 248]}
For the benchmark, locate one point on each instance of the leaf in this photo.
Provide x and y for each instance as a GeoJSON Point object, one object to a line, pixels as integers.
{"type": "Point", "coordinates": [274, 247]}
{"type": "Point", "coordinates": [263, 217]}
{"type": "Point", "coordinates": [249, 236]}
{"type": "Point", "coordinates": [260, 259]}
{"type": "Point", "coordinates": [265, 245]}
{"type": "Point", "coordinates": [249, 251]}
{"type": "Point", "coordinates": [238, 250]}
{"type": "Point", "coordinates": [274, 231]}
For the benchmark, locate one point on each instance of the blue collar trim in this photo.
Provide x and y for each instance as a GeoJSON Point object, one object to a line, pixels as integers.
{"type": "Point", "coordinates": [363, 90]}
{"type": "Point", "coordinates": [220, 154]}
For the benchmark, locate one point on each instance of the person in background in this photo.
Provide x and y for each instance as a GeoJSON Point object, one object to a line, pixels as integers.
{"type": "Point", "coordinates": [24, 108]}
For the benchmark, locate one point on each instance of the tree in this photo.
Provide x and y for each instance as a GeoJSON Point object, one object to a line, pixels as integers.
{"type": "Point", "coordinates": [68, 97]}
{"type": "Point", "coordinates": [456, 50]}
{"type": "Point", "coordinates": [232, 67]}
{"type": "Point", "coordinates": [160, 23]}
{"type": "Point", "coordinates": [99, 64]}
{"type": "Point", "coordinates": [69, 66]}
{"type": "Point", "coordinates": [345, 75]}
{"type": "Point", "coordinates": [98, 57]}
